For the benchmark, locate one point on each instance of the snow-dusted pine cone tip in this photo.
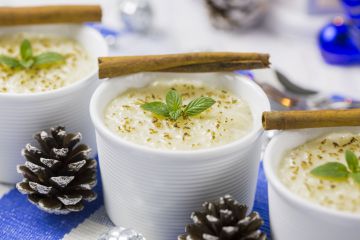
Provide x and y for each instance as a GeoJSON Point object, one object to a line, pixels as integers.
{"type": "Point", "coordinates": [58, 175]}
{"type": "Point", "coordinates": [224, 219]}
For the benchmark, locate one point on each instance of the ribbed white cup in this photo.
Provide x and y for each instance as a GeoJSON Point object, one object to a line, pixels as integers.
{"type": "Point", "coordinates": [293, 217]}
{"type": "Point", "coordinates": [154, 191]}
{"type": "Point", "coordinates": [21, 115]}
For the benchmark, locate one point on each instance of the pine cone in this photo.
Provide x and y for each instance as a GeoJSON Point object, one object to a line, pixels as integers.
{"type": "Point", "coordinates": [59, 175]}
{"type": "Point", "coordinates": [232, 14]}
{"type": "Point", "coordinates": [224, 220]}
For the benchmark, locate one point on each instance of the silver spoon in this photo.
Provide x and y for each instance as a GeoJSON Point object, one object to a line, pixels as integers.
{"type": "Point", "coordinates": [292, 87]}
{"type": "Point", "coordinates": [299, 98]}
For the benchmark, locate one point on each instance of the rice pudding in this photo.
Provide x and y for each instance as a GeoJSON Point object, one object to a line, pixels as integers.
{"type": "Point", "coordinates": [295, 172]}
{"type": "Point", "coordinates": [76, 66]}
{"type": "Point", "coordinates": [226, 121]}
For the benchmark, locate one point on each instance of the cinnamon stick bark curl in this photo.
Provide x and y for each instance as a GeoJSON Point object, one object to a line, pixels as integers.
{"type": "Point", "coordinates": [185, 62]}
{"type": "Point", "coordinates": [12, 16]}
{"type": "Point", "coordinates": [310, 119]}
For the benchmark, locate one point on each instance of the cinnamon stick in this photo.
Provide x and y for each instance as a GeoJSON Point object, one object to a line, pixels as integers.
{"type": "Point", "coordinates": [185, 62]}
{"type": "Point", "coordinates": [12, 16]}
{"type": "Point", "coordinates": [217, 67]}
{"type": "Point", "coordinates": [310, 119]}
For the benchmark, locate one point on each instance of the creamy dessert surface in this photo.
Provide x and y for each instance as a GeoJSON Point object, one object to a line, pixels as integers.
{"type": "Point", "coordinates": [41, 79]}
{"type": "Point", "coordinates": [294, 172]}
{"type": "Point", "coordinates": [227, 120]}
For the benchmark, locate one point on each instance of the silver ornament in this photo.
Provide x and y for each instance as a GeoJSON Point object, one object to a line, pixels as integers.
{"type": "Point", "coordinates": [137, 15]}
{"type": "Point", "coordinates": [120, 233]}
{"type": "Point", "coordinates": [233, 14]}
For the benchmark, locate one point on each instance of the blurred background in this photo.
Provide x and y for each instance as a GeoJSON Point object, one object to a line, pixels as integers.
{"type": "Point", "coordinates": [314, 44]}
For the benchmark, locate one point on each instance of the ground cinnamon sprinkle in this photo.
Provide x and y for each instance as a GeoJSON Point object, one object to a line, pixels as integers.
{"type": "Point", "coordinates": [221, 124]}
{"type": "Point", "coordinates": [77, 64]}
{"type": "Point", "coordinates": [294, 172]}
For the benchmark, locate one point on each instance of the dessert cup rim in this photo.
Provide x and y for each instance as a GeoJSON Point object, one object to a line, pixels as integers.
{"type": "Point", "coordinates": [285, 193]}
{"type": "Point", "coordinates": [228, 148]}
{"type": "Point", "coordinates": [76, 85]}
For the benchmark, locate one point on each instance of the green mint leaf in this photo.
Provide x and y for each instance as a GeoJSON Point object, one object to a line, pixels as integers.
{"type": "Point", "coordinates": [158, 108]}
{"type": "Point", "coordinates": [9, 61]}
{"type": "Point", "coordinates": [352, 161]}
{"type": "Point", "coordinates": [173, 100]}
{"type": "Point", "coordinates": [48, 58]}
{"type": "Point", "coordinates": [26, 50]}
{"type": "Point", "coordinates": [356, 177]}
{"type": "Point", "coordinates": [198, 105]}
{"type": "Point", "coordinates": [331, 170]}
{"type": "Point", "coordinates": [26, 63]}
{"type": "Point", "coordinates": [174, 115]}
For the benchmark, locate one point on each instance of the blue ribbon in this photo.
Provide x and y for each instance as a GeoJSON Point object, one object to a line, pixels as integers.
{"type": "Point", "coordinates": [261, 201]}
{"type": "Point", "coordinates": [21, 220]}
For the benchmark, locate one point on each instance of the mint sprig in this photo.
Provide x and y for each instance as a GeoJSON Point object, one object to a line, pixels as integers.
{"type": "Point", "coordinates": [48, 58]}
{"type": "Point", "coordinates": [9, 61]}
{"type": "Point", "coordinates": [198, 105]}
{"type": "Point", "coordinates": [28, 60]}
{"type": "Point", "coordinates": [158, 108]}
{"type": "Point", "coordinates": [173, 100]}
{"type": "Point", "coordinates": [339, 171]}
{"type": "Point", "coordinates": [173, 108]}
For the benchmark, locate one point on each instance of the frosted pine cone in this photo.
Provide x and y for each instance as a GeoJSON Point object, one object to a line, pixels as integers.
{"type": "Point", "coordinates": [59, 175]}
{"type": "Point", "coordinates": [224, 220]}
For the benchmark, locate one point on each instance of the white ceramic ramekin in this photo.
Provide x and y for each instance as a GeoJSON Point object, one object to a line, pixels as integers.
{"type": "Point", "coordinates": [154, 191]}
{"type": "Point", "coordinates": [293, 217]}
{"type": "Point", "coordinates": [21, 115]}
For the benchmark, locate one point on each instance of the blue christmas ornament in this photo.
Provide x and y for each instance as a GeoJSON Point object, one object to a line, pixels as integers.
{"type": "Point", "coordinates": [340, 40]}
{"type": "Point", "coordinates": [352, 8]}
